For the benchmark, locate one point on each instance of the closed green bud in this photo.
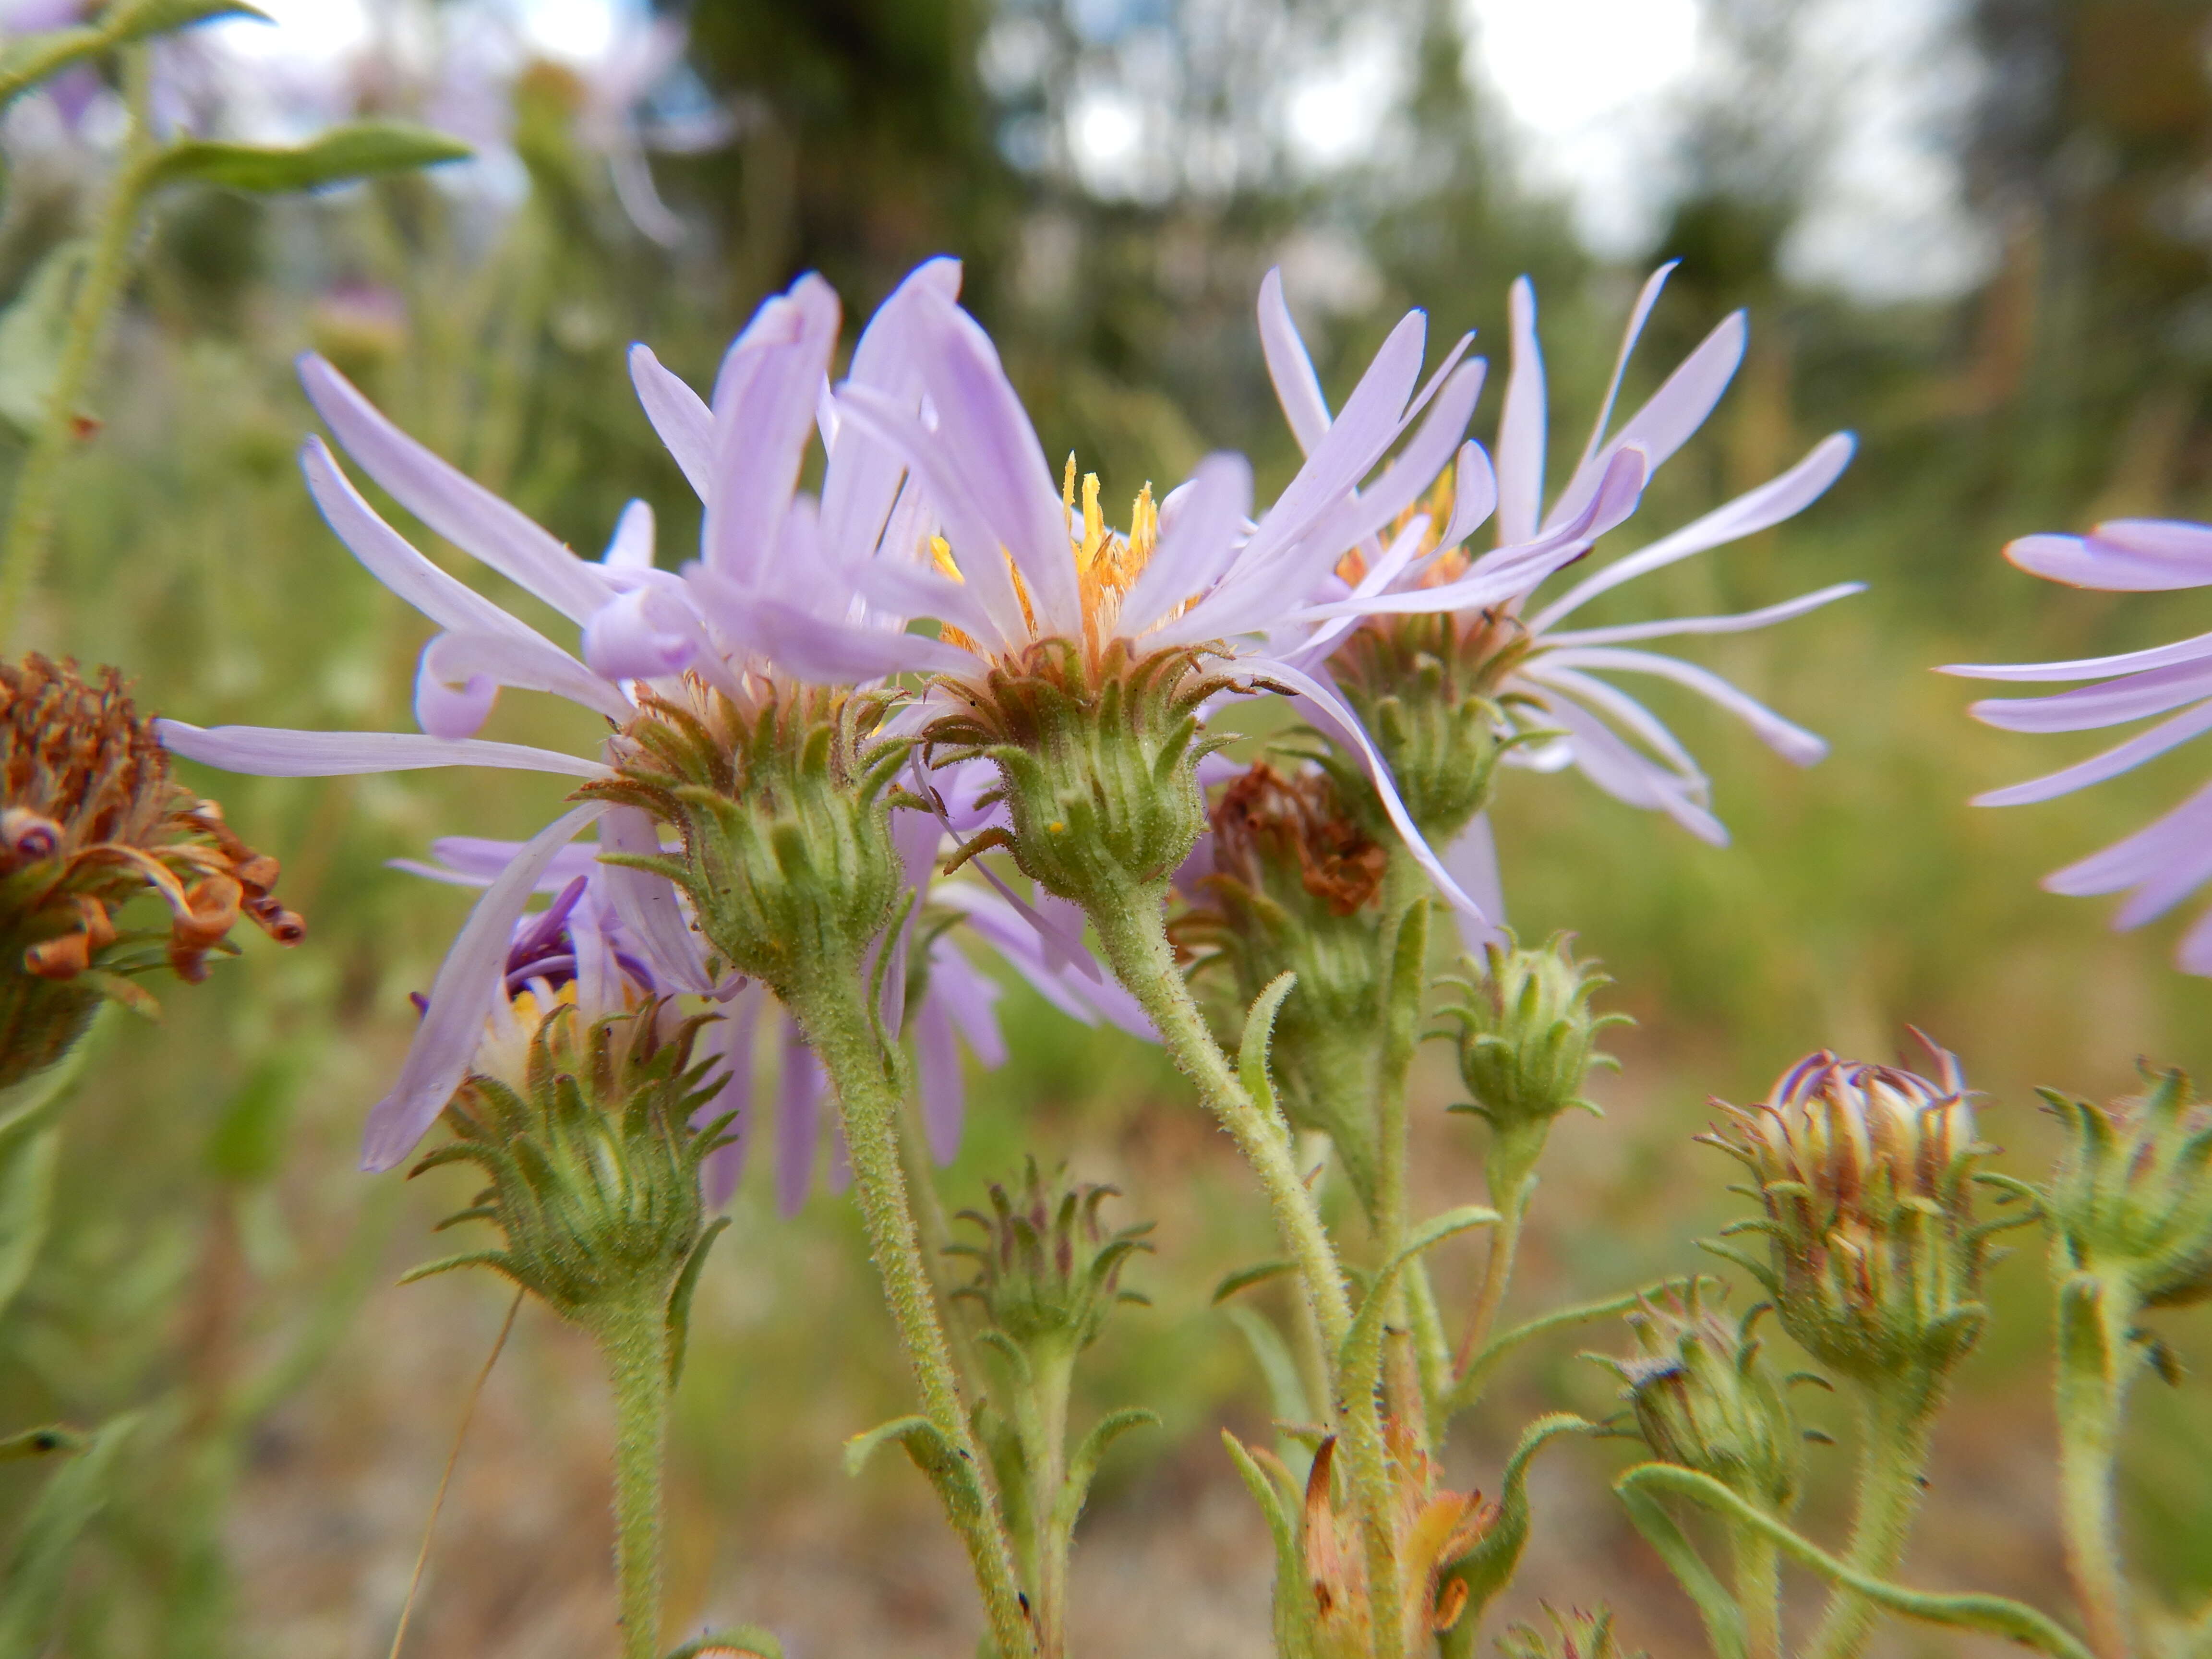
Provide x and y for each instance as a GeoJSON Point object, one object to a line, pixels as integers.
{"type": "Point", "coordinates": [2131, 1198]}
{"type": "Point", "coordinates": [1528, 1042]}
{"type": "Point", "coordinates": [1705, 1396]}
{"type": "Point", "coordinates": [1294, 886]}
{"type": "Point", "coordinates": [593, 1160]}
{"type": "Point", "coordinates": [1579, 1635]}
{"type": "Point", "coordinates": [1098, 757]}
{"type": "Point", "coordinates": [784, 809]}
{"type": "Point", "coordinates": [1048, 1271]}
{"type": "Point", "coordinates": [1865, 1174]}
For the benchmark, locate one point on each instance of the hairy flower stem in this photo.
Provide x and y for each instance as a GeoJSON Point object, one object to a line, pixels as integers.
{"type": "Point", "coordinates": [832, 1008]}
{"type": "Point", "coordinates": [1042, 1425]}
{"type": "Point", "coordinates": [1134, 932]}
{"type": "Point", "coordinates": [633, 1336]}
{"type": "Point", "coordinates": [31, 515]}
{"type": "Point", "coordinates": [1758, 1593]}
{"type": "Point", "coordinates": [1895, 1419]}
{"type": "Point", "coordinates": [1404, 937]}
{"type": "Point", "coordinates": [2097, 1356]}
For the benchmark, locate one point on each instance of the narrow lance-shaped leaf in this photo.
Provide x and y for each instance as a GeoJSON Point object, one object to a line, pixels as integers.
{"type": "Point", "coordinates": [360, 150]}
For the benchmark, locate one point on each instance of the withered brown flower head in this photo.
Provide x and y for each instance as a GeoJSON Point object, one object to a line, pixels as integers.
{"type": "Point", "coordinates": [91, 818]}
{"type": "Point", "coordinates": [1265, 818]}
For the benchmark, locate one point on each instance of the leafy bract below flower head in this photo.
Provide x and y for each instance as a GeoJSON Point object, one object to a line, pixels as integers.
{"type": "Point", "coordinates": [2132, 1198]}
{"type": "Point", "coordinates": [1865, 1174]}
{"type": "Point", "coordinates": [1705, 1397]}
{"type": "Point", "coordinates": [2162, 864]}
{"type": "Point", "coordinates": [1505, 655]}
{"type": "Point", "coordinates": [1288, 880]}
{"type": "Point", "coordinates": [91, 818]}
{"type": "Point", "coordinates": [593, 1163]}
{"type": "Point", "coordinates": [788, 859]}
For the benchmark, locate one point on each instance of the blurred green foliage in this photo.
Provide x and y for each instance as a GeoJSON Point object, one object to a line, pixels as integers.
{"type": "Point", "coordinates": [211, 1247]}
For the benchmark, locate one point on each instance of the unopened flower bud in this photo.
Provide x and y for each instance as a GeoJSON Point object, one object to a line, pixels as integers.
{"type": "Point", "coordinates": [1291, 883]}
{"type": "Point", "coordinates": [90, 819]}
{"type": "Point", "coordinates": [593, 1163]}
{"type": "Point", "coordinates": [1705, 1396]}
{"type": "Point", "coordinates": [1528, 1042]}
{"type": "Point", "coordinates": [1048, 1271]}
{"type": "Point", "coordinates": [782, 805]}
{"type": "Point", "coordinates": [1866, 1176]}
{"type": "Point", "coordinates": [1578, 1635]}
{"type": "Point", "coordinates": [2132, 1197]}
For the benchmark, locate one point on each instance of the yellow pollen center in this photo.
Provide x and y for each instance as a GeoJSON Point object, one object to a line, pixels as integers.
{"type": "Point", "coordinates": [1437, 506]}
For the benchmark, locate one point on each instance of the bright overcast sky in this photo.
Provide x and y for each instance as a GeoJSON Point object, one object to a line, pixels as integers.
{"type": "Point", "coordinates": [1593, 85]}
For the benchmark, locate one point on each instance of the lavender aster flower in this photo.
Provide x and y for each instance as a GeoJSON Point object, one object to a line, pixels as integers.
{"type": "Point", "coordinates": [2162, 864]}
{"type": "Point", "coordinates": [1548, 676]}
{"type": "Point", "coordinates": [1020, 573]}
{"type": "Point", "coordinates": [676, 636]}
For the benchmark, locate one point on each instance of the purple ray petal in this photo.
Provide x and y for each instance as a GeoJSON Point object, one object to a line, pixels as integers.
{"type": "Point", "coordinates": [2194, 954]}
{"type": "Point", "coordinates": [2112, 702]}
{"type": "Point", "coordinates": [1472, 861]}
{"type": "Point", "coordinates": [1787, 739]}
{"type": "Point", "coordinates": [1617, 769]}
{"type": "Point", "coordinates": [1196, 547]}
{"type": "Point", "coordinates": [452, 503]}
{"type": "Point", "coordinates": [1647, 298]}
{"type": "Point", "coordinates": [798, 1120]}
{"type": "Point", "coordinates": [944, 1091]}
{"type": "Point", "coordinates": [1741, 622]}
{"type": "Point", "coordinates": [644, 634]}
{"type": "Point", "coordinates": [2198, 649]}
{"type": "Point", "coordinates": [461, 998]}
{"type": "Point", "coordinates": [1521, 427]}
{"type": "Point", "coordinates": [527, 665]}
{"type": "Point", "coordinates": [447, 710]}
{"type": "Point", "coordinates": [678, 413]}
{"type": "Point", "coordinates": [630, 548]}
{"type": "Point", "coordinates": [275, 752]}
{"type": "Point", "coordinates": [729, 1041]}
{"type": "Point", "coordinates": [1298, 388]}
{"type": "Point", "coordinates": [841, 653]}
{"type": "Point", "coordinates": [647, 903]}
{"type": "Point", "coordinates": [2122, 757]}
{"type": "Point", "coordinates": [763, 418]}
{"type": "Point", "coordinates": [2138, 555]}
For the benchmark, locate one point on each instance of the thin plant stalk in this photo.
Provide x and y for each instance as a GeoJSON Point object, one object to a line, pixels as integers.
{"type": "Point", "coordinates": [634, 1340]}
{"type": "Point", "coordinates": [1134, 936]}
{"type": "Point", "coordinates": [832, 1008]}
{"type": "Point", "coordinates": [1758, 1593]}
{"type": "Point", "coordinates": [1404, 939]}
{"type": "Point", "coordinates": [1895, 1419]}
{"type": "Point", "coordinates": [2097, 1354]}
{"type": "Point", "coordinates": [31, 514]}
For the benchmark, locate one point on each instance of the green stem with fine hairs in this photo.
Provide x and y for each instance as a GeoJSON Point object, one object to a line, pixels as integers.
{"type": "Point", "coordinates": [1896, 1417]}
{"type": "Point", "coordinates": [633, 1337]}
{"type": "Point", "coordinates": [31, 514]}
{"type": "Point", "coordinates": [1758, 1592]}
{"type": "Point", "coordinates": [831, 1006]}
{"type": "Point", "coordinates": [1402, 946]}
{"type": "Point", "coordinates": [2097, 1356]}
{"type": "Point", "coordinates": [1132, 928]}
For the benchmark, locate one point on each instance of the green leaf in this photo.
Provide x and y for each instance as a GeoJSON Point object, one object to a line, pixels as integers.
{"type": "Point", "coordinates": [1723, 1616]}
{"type": "Point", "coordinates": [1467, 1390]}
{"type": "Point", "coordinates": [1992, 1615]}
{"type": "Point", "coordinates": [1489, 1566]}
{"type": "Point", "coordinates": [1082, 1468]}
{"type": "Point", "coordinates": [1360, 1356]}
{"type": "Point", "coordinates": [679, 1299]}
{"type": "Point", "coordinates": [358, 150]}
{"type": "Point", "coordinates": [1286, 1389]}
{"type": "Point", "coordinates": [38, 1563]}
{"type": "Point", "coordinates": [32, 331]}
{"type": "Point", "coordinates": [31, 58]}
{"type": "Point", "coordinates": [1259, 1032]}
{"type": "Point", "coordinates": [30, 1148]}
{"type": "Point", "coordinates": [1294, 1622]}
{"type": "Point", "coordinates": [1245, 1277]}
{"type": "Point", "coordinates": [862, 1447]}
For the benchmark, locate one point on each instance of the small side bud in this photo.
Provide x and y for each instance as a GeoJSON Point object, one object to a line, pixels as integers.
{"type": "Point", "coordinates": [1048, 1271]}
{"type": "Point", "coordinates": [1705, 1396]}
{"type": "Point", "coordinates": [1865, 1176]}
{"type": "Point", "coordinates": [1528, 1042]}
{"type": "Point", "coordinates": [2131, 1198]}
{"type": "Point", "coordinates": [1578, 1635]}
